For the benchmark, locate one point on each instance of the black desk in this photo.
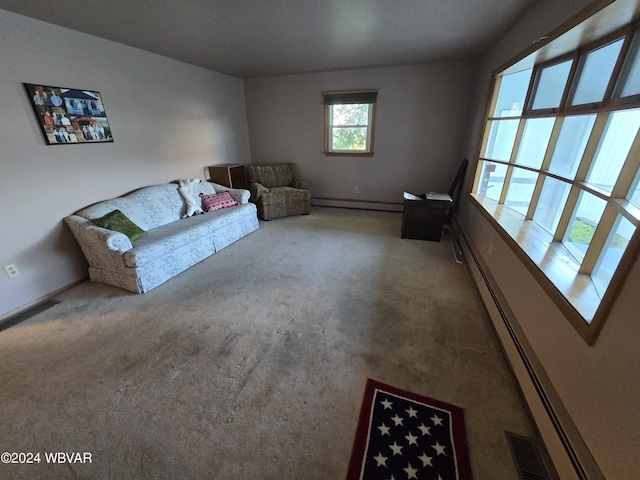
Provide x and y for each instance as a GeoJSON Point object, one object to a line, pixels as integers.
{"type": "Point", "coordinates": [424, 215]}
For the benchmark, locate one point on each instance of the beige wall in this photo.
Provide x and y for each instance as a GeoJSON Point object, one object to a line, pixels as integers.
{"type": "Point", "coordinates": [422, 113]}
{"type": "Point", "coordinates": [598, 385]}
{"type": "Point", "coordinates": [169, 120]}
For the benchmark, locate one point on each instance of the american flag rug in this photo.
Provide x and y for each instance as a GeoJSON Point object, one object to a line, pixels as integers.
{"type": "Point", "coordinates": [404, 436]}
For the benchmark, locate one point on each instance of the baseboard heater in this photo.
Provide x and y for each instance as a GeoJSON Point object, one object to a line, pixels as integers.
{"type": "Point", "coordinates": [577, 451]}
{"type": "Point", "coordinates": [27, 314]}
{"type": "Point", "coordinates": [359, 204]}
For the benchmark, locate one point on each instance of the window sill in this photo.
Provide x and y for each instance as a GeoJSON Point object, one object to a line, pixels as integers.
{"type": "Point", "coordinates": [550, 263]}
{"type": "Point", "coordinates": [349, 154]}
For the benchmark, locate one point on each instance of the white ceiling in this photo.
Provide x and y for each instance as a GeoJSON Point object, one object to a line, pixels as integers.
{"type": "Point", "coordinates": [255, 38]}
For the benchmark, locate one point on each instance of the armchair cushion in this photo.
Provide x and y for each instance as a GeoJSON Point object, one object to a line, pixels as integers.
{"type": "Point", "coordinates": [278, 195]}
{"type": "Point", "coordinates": [300, 184]}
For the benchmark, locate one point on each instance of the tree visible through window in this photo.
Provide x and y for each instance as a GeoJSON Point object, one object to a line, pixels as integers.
{"type": "Point", "coordinates": [349, 122]}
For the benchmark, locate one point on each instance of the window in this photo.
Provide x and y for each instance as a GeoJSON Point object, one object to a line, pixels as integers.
{"type": "Point", "coordinates": [549, 85]}
{"type": "Point", "coordinates": [629, 82]}
{"type": "Point", "coordinates": [349, 122]}
{"type": "Point", "coordinates": [558, 170]}
{"type": "Point", "coordinates": [595, 71]}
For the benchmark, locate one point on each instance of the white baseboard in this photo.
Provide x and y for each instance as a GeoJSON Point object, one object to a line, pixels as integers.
{"type": "Point", "coordinates": [359, 204]}
{"type": "Point", "coordinates": [566, 447]}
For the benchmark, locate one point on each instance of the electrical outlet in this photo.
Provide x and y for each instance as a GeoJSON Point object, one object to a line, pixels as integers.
{"type": "Point", "coordinates": [357, 190]}
{"type": "Point", "coordinates": [12, 270]}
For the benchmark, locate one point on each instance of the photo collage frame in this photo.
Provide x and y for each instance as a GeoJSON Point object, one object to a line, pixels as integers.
{"type": "Point", "coordinates": [69, 116]}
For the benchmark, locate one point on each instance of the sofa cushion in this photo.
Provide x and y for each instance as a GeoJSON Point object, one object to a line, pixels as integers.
{"type": "Point", "coordinates": [167, 238]}
{"type": "Point", "coordinates": [148, 207]}
{"type": "Point", "coordinates": [217, 201]}
{"type": "Point", "coordinates": [118, 221]}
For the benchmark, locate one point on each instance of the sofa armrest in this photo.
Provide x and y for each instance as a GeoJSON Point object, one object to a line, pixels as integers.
{"type": "Point", "coordinates": [102, 248]}
{"type": "Point", "coordinates": [257, 190]}
{"type": "Point", "coordinates": [301, 184]}
{"type": "Point", "coordinates": [240, 195]}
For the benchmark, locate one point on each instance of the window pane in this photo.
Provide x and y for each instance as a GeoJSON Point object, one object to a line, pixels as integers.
{"type": "Point", "coordinates": [583, 224]}
{"type": "Point", "coordinates": [595, 72]}
{"type": "Point", "coordinates": [550, 86]}
{"type": "Point", "coordinates": [350, 128]}
{"type": "Point", "coordinates": [352, 114]}
{"type": "Point", "coordinates": [629, 83]}
{"type": "Point", "coordinates": [350, 138]}
{"type": "Point", "coordinates": [520, 190]}
{"type": "Point", "coordinates": [535, 139]}
{"type": "Point", "coordinates": [634, 192]}
{"type": "Point", "coordinates": [513, 90]}
{"type": "Point", "coordinates": [501, 138]}
{"type": "Point", "coordinates": [553, 198]}
{"type": "Point", "coordinates": [610, 257]}
{"type": "Point", "coordinates": [492, 180]}
{"type": "Point", "coordinates": [619, 134]}
{"type": "Point", "coordinates": [570, 146]}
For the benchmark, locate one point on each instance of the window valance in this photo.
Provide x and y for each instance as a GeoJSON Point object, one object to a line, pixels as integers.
{"type": "Point", "coordinates": [343, 98]}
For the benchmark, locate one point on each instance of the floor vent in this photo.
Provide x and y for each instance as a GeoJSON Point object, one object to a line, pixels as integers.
{"type": "Point", "coordinates": [28, 313]}
{"type": "Point", "coordinates": [527, 457]}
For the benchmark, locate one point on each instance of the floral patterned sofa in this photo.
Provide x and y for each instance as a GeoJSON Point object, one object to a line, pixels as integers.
{"type": "Point", "coordinates": [169, 244]}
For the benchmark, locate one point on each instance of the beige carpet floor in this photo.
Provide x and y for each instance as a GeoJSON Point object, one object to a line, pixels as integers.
{"type": "Point", "coordinates": [252, 364]}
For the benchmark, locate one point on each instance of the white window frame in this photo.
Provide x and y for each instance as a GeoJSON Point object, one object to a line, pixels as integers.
{"type": "Point", "coordinates": [567, 280]}
{"type": "Point", "coordinates": [356, 97]}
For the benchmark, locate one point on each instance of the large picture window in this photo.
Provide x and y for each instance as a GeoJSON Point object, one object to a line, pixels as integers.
{"type": "Point", "coordinates": [350, 122]}
{"type": "Point", "coordinates": [558, 170]}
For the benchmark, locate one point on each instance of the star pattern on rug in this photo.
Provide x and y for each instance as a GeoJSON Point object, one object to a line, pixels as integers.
{"type": "Point", "coordinates": [439, 449]}
{"type": "Point", "coordinates": [411, 472]}
{"type": "Point", "coordinates": [381, 460]}
{"type": "Point", "coordinates": [397, 420]}
{"type": "Point", "coordinates": [425, 430]}
{"type": "Point", "coordinates": [397, 449]}
{"type": "Point", "coordinates": [409, 441]}
{"type": "Point", "coordinates": [426, 461]}
{"type": "Point", "coordinates": [412, 439]}
{"type": "Point", "coordinates": [436, 420]}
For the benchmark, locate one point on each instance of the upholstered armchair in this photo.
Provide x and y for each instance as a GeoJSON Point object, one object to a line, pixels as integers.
{"type": "Point", "coordinates": [277, 192]}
